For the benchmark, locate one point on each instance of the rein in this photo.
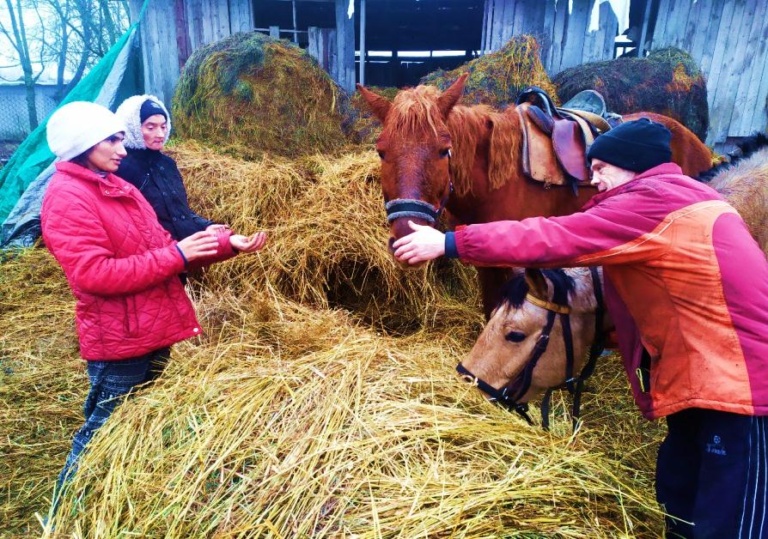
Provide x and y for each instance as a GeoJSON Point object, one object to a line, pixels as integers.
{"type": "Point", "coordinates": [413, 207]}
{"type": "Point", "coordinates": [575, 384]}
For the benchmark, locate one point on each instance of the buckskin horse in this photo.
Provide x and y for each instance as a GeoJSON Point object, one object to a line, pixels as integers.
{"type": "Point", "coordinates": [546, 332]}
{"type": "Point", "coordinates": [472, 161]}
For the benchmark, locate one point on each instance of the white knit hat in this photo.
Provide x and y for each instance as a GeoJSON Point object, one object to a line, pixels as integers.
{"type": "Point", "coordinates": [129, 112]}
{"type": "Point", "coordinates": [78, 126]}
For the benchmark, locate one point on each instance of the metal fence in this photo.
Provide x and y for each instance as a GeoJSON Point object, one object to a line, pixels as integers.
{"type": "Point", "coordinates": [14, 118]}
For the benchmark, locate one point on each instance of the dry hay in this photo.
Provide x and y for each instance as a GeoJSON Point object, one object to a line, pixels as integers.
{"type": "Point", "coordinates": [365, 124]}
{"type": "Point", "coordinates": [291, 419]}
{"type": "Point", "coordinates": [667, 82]}
{"type": "Point", "coordinates": [249, 94]}
{"type": "Point", "coordinates": [327, 237]}
{"type": "Point", "coordinates": [497, 78]}
{"type": "Point", "coordinates": [288, 421]}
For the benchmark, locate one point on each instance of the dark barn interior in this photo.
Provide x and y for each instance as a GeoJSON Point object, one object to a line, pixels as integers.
{"type": "Point", "coordinates": [392, 26]}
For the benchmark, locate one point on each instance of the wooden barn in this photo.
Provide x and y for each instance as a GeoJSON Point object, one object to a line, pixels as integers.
{"type": "Point", "coordinates": [395, 42]}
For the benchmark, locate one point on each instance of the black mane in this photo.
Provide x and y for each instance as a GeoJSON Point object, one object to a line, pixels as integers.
{"type": "Point", "coordinates": [744, 149]}
{"type": "Point", "coordinates": [514, 291]}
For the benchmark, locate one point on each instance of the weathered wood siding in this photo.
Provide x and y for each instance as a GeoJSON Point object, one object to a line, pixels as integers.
{"type": "Point", "coordinates": [172, 29]}
{"type": "Point", "coordinates": [727, 38]}
{"type": "Point", "coordinates": [564, 37]}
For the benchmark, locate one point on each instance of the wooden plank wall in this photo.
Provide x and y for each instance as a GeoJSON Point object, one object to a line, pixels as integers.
{"type": "Point", "coordinates": [158, 37]}
{"type": "Point", "coordinates": [729, 41]}
{"type": "Point", "coordinates": [563, 36]}
{"type": "Point", "coordinates": [167, 46]}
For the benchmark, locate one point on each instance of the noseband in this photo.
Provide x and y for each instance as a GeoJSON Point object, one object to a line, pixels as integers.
{"type": "Point", "coordinates": [508, 397]}
{"type": "Point", "coordinates": [411, 207]}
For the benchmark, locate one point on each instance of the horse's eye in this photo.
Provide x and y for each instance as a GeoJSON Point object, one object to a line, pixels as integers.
{"type": "Point", "coordinates": [515, 336]}
{"type": "Point", "coordinates": [445, 152]}
{"type": "Point", "coordinates": [381, 153]}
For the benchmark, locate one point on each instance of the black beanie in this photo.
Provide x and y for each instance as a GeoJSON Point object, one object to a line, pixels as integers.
{"type": "Point", "coordinates": [150, 108]}
{"type": "Point", "coordinates": [638, 145]}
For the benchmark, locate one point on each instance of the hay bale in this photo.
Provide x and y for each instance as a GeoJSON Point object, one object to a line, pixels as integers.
{"type": "Point", "coordinates": [667, 82]}
{"type": "Point", "coordinates": [497, 78]}
{"type": "Point", "coordinates": [250, 94]}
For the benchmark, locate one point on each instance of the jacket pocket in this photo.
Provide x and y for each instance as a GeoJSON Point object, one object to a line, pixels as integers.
{"type": "Point", "coordinates": [130, 316]}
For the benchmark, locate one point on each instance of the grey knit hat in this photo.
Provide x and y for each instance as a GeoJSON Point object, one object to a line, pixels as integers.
{"type": "Point", "coordinates": [129, 112]}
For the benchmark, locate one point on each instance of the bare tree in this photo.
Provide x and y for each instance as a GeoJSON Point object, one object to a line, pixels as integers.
{"type": "Point", "coordinates": [69, 34]}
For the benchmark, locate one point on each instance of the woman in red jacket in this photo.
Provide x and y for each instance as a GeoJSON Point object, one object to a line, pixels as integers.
{"type": "Point", "coordinates": [122, 266]}
{"type": "Point", "coordinates": [687, 287]}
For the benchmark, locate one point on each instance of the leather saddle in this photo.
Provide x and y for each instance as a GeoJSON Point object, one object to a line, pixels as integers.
{"type": "Point", "coordinates": [556, 139]}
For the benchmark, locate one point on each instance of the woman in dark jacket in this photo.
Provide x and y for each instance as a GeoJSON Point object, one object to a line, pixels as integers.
{"type": "Point", "coordinates": [148, 126]}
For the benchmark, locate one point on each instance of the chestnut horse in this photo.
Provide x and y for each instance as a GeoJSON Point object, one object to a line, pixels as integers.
{"type": "Point", "coordinates": [438, 155]}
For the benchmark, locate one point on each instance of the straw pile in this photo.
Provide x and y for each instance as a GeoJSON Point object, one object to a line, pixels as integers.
{"type": "Point", "coordinates": [667, 82]}
{"type": "Point", "coordinates": [250, 94]}
{"type": "Point", "coordinates": [321, 402]}
{"type": "Point", "coordinates": [496, 79]}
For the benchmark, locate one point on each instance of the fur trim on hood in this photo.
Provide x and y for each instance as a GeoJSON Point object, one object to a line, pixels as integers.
{"type": "Point", "coordinates": [129, 112]}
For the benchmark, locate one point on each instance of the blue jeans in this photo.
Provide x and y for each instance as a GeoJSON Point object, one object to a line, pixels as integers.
{"type": "Point", "coordinates": [111, 382]}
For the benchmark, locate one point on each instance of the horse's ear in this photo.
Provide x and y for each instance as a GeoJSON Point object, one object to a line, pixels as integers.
{"type": "Point", "coordinates": [379, 105]}
{"type": "Point", "coordinates": [451, 96]}
{"type": "Point", "coordinates": [537, 284]}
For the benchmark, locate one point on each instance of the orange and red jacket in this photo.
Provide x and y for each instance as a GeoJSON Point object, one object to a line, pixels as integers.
{"type": "Point", "coordinates": [685, 281]}
{"type": "Point", "coordinates": [122, 266]}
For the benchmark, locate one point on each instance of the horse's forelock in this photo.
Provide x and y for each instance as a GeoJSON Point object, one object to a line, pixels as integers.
{"type": "Point", "coordinates": [415, 111]}
{"type": "Point", "coordinates": [514, 291]}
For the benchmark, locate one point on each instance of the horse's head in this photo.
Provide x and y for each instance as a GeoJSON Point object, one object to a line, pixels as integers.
{"type": "Point", "coordinates": [415, 147]}
{"type": "Point", "coordinates": [525, 348]}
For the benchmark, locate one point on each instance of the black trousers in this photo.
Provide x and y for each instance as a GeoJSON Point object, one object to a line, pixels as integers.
{"type": "Point", "coordinates": [712, 475]}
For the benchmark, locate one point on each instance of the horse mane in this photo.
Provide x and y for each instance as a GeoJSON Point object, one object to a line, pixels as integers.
{"type": "Point", "coordinates": [514, 290]}
{"type": "Point", "coordinates": [743, 151]}
{"type": "Point", "coordinates": [469, 129]}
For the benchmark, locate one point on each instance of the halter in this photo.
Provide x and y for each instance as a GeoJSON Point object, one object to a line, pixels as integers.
{"type": "Point", "coordinates": [575, 385]}
{"type": "Point", "coordinates": [411, 207]}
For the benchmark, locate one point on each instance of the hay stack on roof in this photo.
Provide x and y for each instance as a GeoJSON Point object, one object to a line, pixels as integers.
{"type": "Point", "coordinates": [249, 94]}
{"type": "Point", "coordinates": [496, 79]}
{"type": "Point", "coordinates": [667, 82]}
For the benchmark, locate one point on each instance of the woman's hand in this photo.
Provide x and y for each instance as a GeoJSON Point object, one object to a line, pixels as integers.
{"type": "Point", "coordinates": [199, 245]}
{"type": "Point", "coordinates": [216, 228]}
{"type": "Point", "coordinates": [425, 243]}
{"type": "Point", "coordinates": [248, 244]}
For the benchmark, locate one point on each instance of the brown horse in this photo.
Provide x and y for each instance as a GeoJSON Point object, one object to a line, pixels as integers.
{"type": "Point", "coordinates": [438, 155]}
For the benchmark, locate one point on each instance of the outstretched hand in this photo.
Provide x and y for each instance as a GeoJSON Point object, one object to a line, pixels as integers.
{"type": "Point", "coordinates": [424, 243]}
{"type": "Point", "coordinates": [248, 244]}
{"type": "Point", "coordinates": [199, 245]}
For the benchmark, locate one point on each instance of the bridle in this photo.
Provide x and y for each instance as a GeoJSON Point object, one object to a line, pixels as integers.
{"type": "Point", "coordinates": [412, 207]}
{"type": "Point", "coordinates": [509, 397]}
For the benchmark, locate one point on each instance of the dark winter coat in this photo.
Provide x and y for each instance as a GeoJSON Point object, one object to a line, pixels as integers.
{"type": "Point", "coordinates": [159, 180]}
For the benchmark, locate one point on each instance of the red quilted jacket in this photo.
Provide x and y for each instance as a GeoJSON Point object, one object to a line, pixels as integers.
{"type": "Point", "coordinates": [122, 266]}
